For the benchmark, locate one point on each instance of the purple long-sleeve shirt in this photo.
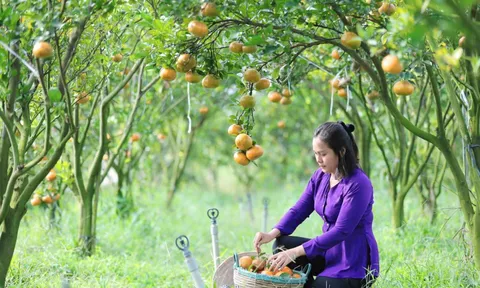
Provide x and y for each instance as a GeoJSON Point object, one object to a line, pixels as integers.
{"type": "Point", "coordinates": [347, 243]}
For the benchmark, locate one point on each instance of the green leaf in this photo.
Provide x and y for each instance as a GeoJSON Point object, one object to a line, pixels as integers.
{"type": "Point", "coordinates": [275, 73]}
{"type": "Point", "coordinates": [54, 95]}
{"type": "Point", "coordinates": [269, 49]}
{"type": "Point", "coordinates": [254, 40]}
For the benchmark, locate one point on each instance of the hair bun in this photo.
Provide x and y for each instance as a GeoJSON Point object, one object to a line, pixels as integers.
{"type": "Point", "coordinates": [350, 128]}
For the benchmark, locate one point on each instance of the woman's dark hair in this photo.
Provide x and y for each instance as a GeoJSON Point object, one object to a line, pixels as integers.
{"type": "Point", "coordinates": [339, 136]}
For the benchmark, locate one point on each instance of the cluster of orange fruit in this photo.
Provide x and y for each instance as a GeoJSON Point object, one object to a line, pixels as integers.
{"type": "Point", "coordinates": [186, 63]}
{"type": "Point", "coordinates": [42, 50]}
{"type": "Point", "coordinates": [390, 63]}
{"type": "Point", "coordinates": [259, 265]}
{"type": "Point", "coordinates": [284, 98]}
{"type": "Point", "coordinates": [49, 198]}
{"type": "Point", "coordinates": [252, 77]}
{"type": "Point", "coordinates": [339, 84]}
{"type": "Point", "coordinates": [247, 151]}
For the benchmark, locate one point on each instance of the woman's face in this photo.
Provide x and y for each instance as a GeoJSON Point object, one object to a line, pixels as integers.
{"type": "Point", "coordinates": [326, 158]}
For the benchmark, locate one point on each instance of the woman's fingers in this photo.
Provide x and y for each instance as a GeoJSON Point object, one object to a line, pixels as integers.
{"type": "Point", "coordinates": [257, 241]}
{"type": "Point", "coordinates": [278, 261]}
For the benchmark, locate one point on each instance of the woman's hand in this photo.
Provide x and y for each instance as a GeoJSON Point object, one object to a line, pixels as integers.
{"type": "Point", "coordinates": [263, 238]}
{"type": "Point", "coordinates": [280, 260]}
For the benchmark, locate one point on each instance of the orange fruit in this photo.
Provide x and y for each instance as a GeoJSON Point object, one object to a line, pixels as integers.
{"type": "Point", "coordinates": [56, 197]}
{"type": "Point", "coordinates": [391, 64]}
{"type": "Point", "coordinates": [243, 141]}
{"type": "Point", "coordinates": [241, 159]}
{"type": "Point", "coordinates": [286, 92]}
{"type": "Point", "coordinates": [47, 199]}
{"type": "Point", "coordinates": [235, 129]}
{"type": "Point", "coordinates": [203, 110]}
{"type": "Point", "coordinates": [247, 101]}
{"type": "Point", "coordinates": [254, 153]}
{"type": "Point", "coordinates": [335, 54]}
{"type": "Point", "coordinates": [387, 9]}
{"type": "Point", "coordinates": [249, 49]}
{"type": "Point", "coordinates": [117, 57]}
{"type": "Point", "coordinates": [197, 28]}
{"type": "Point", "coordinates": [335, 83]}
{"type": "Point", "coordinates": [287, 270]}
{"type": "Point", "coordinates": [262, 84]}
{"type": "Point", "coordinates": [342, 93]}
{"type": "Point", "coordinates": [373, 95]}
{"type": "Point", "coordinates": [42, 49]}
{"type": "Point", "coordinates": [351, 40]}
{"type": "Point", "coordinates": [251, 75]}
{"type": "Point", "coordinates": [36, 200]}
{"type": "Point", "coordinates": [268, 272]}
{"type": "Point", "coordinates": [192, 77]}
{"type": "Point", "coordinates": [105, 157]}
{"type": "Point", "coordinates": [51, 176]}
{"type": "Point", "coordinates": [135, 137]}
{"type": "Point", "coordinates": [236, 47]}
{"type": "Point", "coordinates": [82, 98]}
{"type": "Point", "coordinates": [209, 9]}
{"type": "Point", "coordinates": [185, 63]}
{"type": "Point", "coordinates": [274, 96]}
{"type": "Point", "coordinates": [161, 136]}
{"type": "Point", "coordinates": [403, 88]}
{"type": "Point", "coordinates": [258, 263]}
{"type": "Point", "coordinates": [168, 74]}
{"type": "Point", "coordinates": [210, 81]}
{"type": "Point", "coordinates": [245, 262]}
{"type": "Point", "coordinates": [286, 101]}
{"type": "Point", "coordinates": [281, 124]}
{"type": "Point", "coordinates": [296, 275]}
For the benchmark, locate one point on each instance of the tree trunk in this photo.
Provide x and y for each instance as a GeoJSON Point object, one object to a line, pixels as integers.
{"type": "Point", "coordinates": [120, 197]}
{"type": "Point", "coordinates": [250, 206]}
{"type": "Point", "coordinates": [432, 205]}
{"type": "Point", "coordinates": [52, 211]}
{"type": "Point", "coordinates": [124, 196]}
{"type": "Point", "coordinates": [86, 239]}
{"type": "Point", "coordinates": [398, 216]}
{"type": "Point", "coordinates": [476, 238]}
{"type": "Point", "coordinates": [365, 142]}
{"type": "Point", "coordinates": [474, 170]}
{"type": "Point", "coordinates": [170, 194]}
{"type": "Point", "coordinates": [8, 240]}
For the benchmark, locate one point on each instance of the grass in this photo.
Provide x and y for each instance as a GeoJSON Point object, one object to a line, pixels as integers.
{"type": "Point", "coordinates": [141, 251]}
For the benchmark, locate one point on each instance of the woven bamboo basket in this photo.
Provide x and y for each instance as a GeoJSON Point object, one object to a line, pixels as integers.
{"type": "Point", "coordinates": [223, 277]}
{"type": "Point", "coordinates": [246, 279]}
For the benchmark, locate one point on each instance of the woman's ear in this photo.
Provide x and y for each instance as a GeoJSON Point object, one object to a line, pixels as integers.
{"type": "Point", "coordinates": [343, 151]}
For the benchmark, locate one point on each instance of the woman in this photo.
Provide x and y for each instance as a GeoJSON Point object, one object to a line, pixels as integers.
{"type": "Point", "coordinates": [346, 254]}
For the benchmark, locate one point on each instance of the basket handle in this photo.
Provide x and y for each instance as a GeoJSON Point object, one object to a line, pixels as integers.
{"type": "Point", "coordinates": [235, 260]}
{"type": "Point", "coordinates": [307, 269]}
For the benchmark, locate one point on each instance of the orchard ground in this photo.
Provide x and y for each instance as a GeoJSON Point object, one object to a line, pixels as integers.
{"type": "Point", "coordinates": [140, 251]}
